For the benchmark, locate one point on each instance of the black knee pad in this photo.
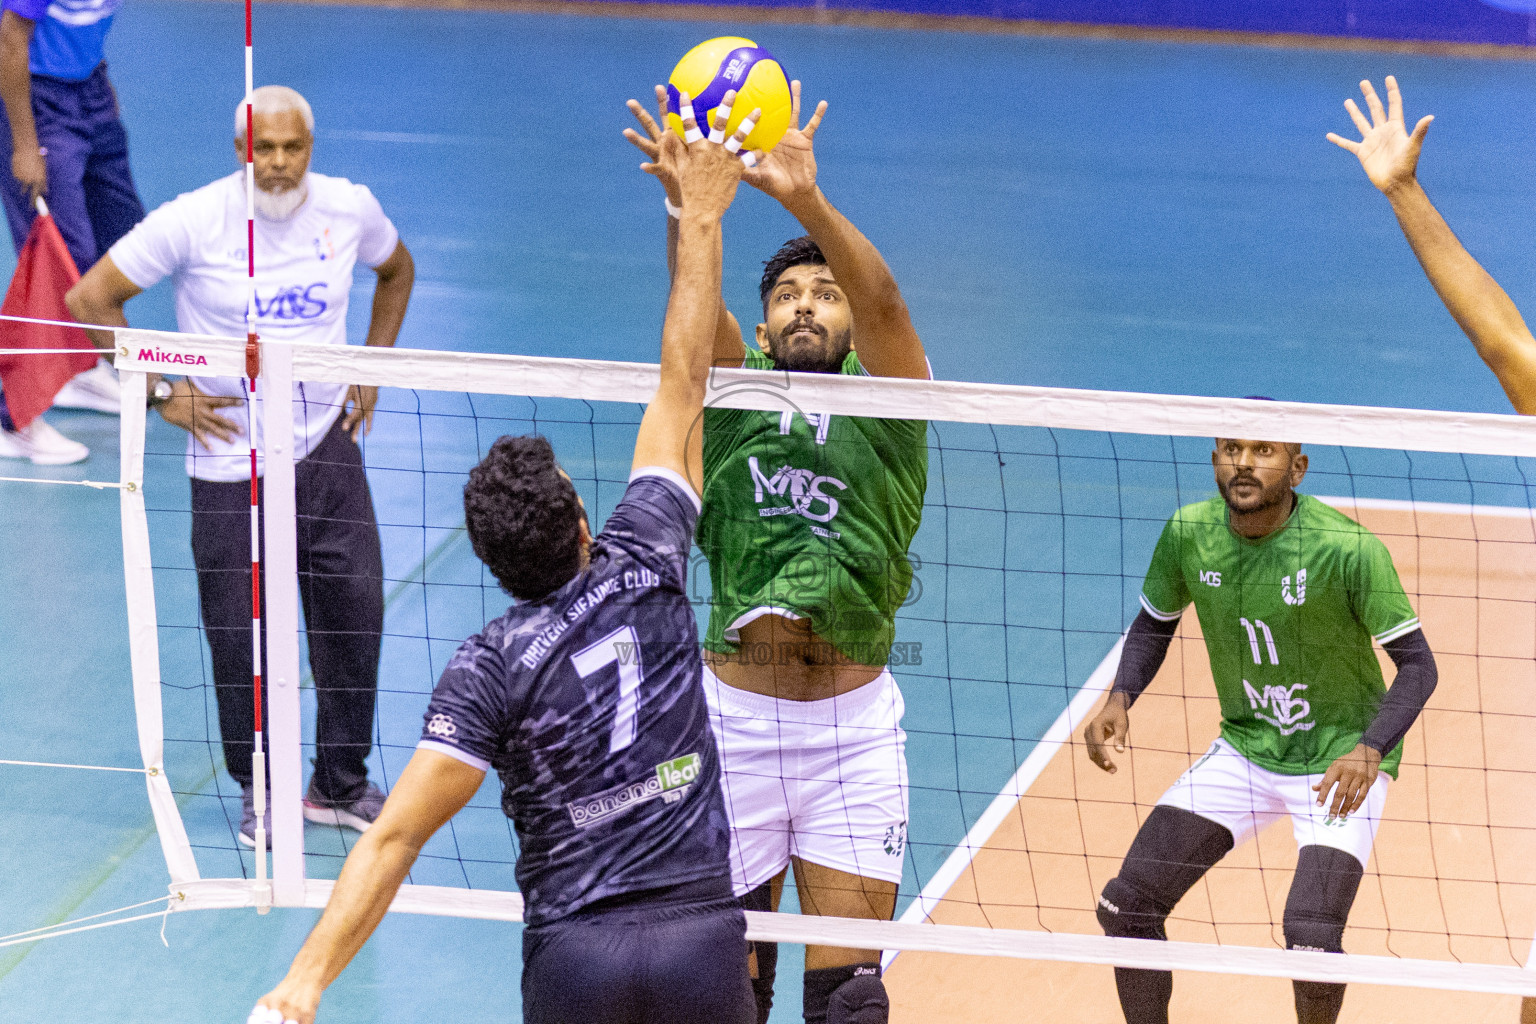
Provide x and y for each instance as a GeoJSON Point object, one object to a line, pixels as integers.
{"type": "Point", "coordinates": [1322, 892]}
{"type": "Point", "coordinates": [860, 1000]}
{"type": "Point", "coordinates": [1318, 1002]}
{"type": "Point", "coordinates": [1315, 915]}
{"type": "Point", "coordinates": [846, 995]}
{"type": "Point", "coordinates": [767, 953]}
{"type": "Point", "coordinates": [1128, 913]}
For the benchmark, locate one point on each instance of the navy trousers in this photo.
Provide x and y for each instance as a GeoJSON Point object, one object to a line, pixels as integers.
{"type": "Point", "coordinates": [341, 589]}
{"type": "Point", "coordinates": [90, 190]}
{"type": "Point", "coordinates": [644, 962]}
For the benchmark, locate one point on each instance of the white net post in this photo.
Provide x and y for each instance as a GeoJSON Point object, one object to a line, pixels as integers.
{"type": "Point", "coordinates": [282, 617]}
{"type": "Point", "coordinates": [143, 635]}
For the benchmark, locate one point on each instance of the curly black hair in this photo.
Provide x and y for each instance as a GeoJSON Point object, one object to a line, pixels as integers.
{"type": "Point", "coordinates": [794, 253]}
{"type": "Point", "coordinates": [524, 518]}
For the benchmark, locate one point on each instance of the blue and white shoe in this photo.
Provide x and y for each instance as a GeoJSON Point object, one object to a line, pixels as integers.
{"type": "Point", "coordinates": [355, 814]}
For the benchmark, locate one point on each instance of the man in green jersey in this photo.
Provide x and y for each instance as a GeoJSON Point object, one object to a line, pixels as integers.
{"type": "Point", "coordinates": [1290, 594]}
{"type": "Point", "coordinates": [806, 524]}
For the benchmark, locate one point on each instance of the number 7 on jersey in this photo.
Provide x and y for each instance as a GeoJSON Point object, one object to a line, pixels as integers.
{"type": "Point", "coordinates": [621, 646]}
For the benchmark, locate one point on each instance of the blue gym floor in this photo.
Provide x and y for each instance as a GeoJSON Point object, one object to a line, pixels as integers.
{"type": "Point", "coordinates": [1123, 215]}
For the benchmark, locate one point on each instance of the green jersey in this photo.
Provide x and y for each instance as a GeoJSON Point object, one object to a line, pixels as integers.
{"type": "Point", "coordinates": [810, 515]}
{"type": "Point", "coordinates": [1288, 623]}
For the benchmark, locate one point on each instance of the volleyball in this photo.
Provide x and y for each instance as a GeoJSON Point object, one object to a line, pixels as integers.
{"type": "Point", "coordinates": [716, 66]}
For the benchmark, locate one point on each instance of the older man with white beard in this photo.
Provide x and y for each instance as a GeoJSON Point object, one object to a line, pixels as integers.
{"type": "Point", "coordinates": [311, 231]}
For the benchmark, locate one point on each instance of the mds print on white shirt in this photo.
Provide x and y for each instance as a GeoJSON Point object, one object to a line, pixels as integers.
{"type": "Point", "coordinates": [304, 269]}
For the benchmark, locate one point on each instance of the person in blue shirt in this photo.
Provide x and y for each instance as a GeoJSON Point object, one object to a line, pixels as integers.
{"type": "Point", "coordinates": [61, 138]}
{"type": "Point", "coordinates": [586, 697]}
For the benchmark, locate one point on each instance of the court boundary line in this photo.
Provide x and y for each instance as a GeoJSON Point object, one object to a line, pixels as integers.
{"type": "Point", "coordinates": [753, 14]}
{"type": "Point", "coordinates": [1002, 805]}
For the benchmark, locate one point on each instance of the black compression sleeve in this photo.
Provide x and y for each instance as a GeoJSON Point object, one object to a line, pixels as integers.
{"type": "Point", "coordinates": [1146, 645]}
{"type": "Point", "coordinates": [1416, 678]}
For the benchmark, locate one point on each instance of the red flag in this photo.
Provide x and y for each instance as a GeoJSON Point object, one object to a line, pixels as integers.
{"type": "Point", "coordinates": [44, 272]}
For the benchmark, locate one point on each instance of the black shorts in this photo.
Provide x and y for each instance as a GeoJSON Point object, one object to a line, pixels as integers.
{"type": "Point", "coordinates": [640, 962]}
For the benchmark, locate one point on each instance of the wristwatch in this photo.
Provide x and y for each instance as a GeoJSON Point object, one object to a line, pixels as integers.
{"type": "Point", "coordinates": [159, 394]}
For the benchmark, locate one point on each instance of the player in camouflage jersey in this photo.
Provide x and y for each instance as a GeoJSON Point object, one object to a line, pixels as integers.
{"type": "Point", "coordinates": [806, 523]}
{"type": "Point", "coordinates": [1290, 594]}
{"type": "Point", "coordinates": [584, 697]}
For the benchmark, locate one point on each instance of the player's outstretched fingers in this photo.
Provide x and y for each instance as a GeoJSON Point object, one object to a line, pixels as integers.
{"type": "Point", "coordinates": [649, 123]}
{"type": "Point", "coordinates": [722, 117]}
{"type": "Point", "coordinates": [809, 131]}
{"type": "Point", "coordinates": [1373, 102]}
{"type": "Point", "coordinates": [650, 147]}
{"type": "Point", "coordinates": [691, 133]}
{"type": "Point", "coordinates": [739, 136]}
{"type": "Point", "coordinates": [1394, 101]}
{"type": "Point", "coordinates": [1343, 143]}
{"type": "Point", "coordinates": [1357, 117]}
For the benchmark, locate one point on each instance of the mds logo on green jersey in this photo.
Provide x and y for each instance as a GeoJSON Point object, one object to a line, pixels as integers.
{"type": "Point", "coordinates": [1286, 710]}
{"type": "Point", "coordinates": [806, 492]}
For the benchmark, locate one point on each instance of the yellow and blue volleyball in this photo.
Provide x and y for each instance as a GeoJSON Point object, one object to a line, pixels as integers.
{"type": "Point", "coordinates": [716, 66]}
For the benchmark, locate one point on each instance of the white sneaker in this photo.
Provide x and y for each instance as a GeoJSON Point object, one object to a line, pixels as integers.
{"type": "Point", "coordinates": [95, 389]}
{"type": "Point", "coordinates": [42, 444]}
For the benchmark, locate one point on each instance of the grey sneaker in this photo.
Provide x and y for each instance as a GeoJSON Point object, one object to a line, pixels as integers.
{"type": "Point", "coordinates": [355, 814]}
{"type": "Point", "coordinates": [248, 817]}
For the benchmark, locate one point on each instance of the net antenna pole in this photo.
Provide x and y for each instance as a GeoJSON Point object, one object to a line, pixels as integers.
{"type": "Point", "coordinates": [252, 370]}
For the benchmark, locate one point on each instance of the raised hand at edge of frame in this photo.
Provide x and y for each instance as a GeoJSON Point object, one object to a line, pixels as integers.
{"type": "Point", "coordinates": [1350, 778]}
{"type": "Point", "coordinates": [278, 1008]}
{"type": "Point", "coordinates": [1111, 724]}
{"type": "Point", "coordinates": [789, 171]}
{"type": "Point", "coordinates": [1389, 154]}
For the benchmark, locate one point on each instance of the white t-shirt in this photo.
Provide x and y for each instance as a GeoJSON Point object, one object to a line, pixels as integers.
{"type": "Point", "coordinates": [303, 278]}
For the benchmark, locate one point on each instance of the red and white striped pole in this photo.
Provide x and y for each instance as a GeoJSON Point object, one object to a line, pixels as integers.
{"type": "Point", "coordinates": [252, 369]}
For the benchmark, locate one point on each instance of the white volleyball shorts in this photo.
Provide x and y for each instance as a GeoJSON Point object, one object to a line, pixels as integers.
{"type": "Point", "coordinates": [824, 780]}
{"type": "Point", "coordinates": [1227, 788]}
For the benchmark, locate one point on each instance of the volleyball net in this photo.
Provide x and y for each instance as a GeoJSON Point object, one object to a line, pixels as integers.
{"type": "Point", "coordinates": [1042, 510]}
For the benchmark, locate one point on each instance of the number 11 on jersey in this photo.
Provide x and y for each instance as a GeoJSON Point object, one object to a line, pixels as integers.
{"type": "Point", "coordinates": [621, 647]}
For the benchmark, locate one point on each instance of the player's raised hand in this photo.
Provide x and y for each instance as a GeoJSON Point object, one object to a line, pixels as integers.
{"type": "Point", "coordinates": [655, 129]}
{"type": "Point", "coordinates": [790, 170]}
{"type": "Point", "coordinates": [284, 1006]}
{"type": "Point", "coordinates": [1389, 154]}
{"type": "Point", "coordinates": [1350, 778]}
{"type": "Point", "coordinates": [707, 168]}
{"type": "Point", "coordinates": [1111, 725]}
